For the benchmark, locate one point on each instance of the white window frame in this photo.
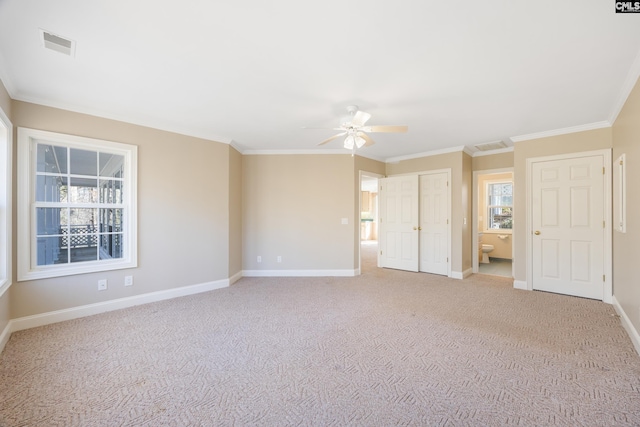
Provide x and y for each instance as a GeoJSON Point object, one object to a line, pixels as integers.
{"type": "Point", "coordinates": [27, 263]}
{"type": "Point", "coordinates": [6, 143]}
{"type": "Point", "coordinates": [488, 207]}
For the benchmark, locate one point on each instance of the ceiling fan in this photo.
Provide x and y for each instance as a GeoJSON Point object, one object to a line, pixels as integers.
{"type": "Point", "coordinates": [356, 132]}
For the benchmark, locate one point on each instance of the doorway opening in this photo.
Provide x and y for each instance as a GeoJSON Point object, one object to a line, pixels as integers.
{"type": "Point", "coordinates": [369, 220]}
{"type": "Point", "coordinates": [493, 222]}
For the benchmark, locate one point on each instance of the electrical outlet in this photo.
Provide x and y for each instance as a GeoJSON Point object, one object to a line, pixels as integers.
{"type": "Point", "coordinates": [279, 258]}
{"type": "Point", "coordinates": [102, 285]}
{"type": "Point", "coordinates": [128, 280]}
{"type": "Point", "coordinates": [259, 258]}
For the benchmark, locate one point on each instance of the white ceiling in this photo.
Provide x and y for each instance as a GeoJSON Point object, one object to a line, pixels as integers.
{"type": "Point", "coordinates": [253, 73]}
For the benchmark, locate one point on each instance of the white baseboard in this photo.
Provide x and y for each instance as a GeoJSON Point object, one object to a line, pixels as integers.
{"type": "Point", "coordinates": [116, 304]}
{"type": "Point", "coordinates": [299, 273]}
{"type": "Point", "coordinates": [461, 274]}
{"type": "Point", "coordinates": [520, 284]}
{"type": "Point", "coordinates": [626, 324]}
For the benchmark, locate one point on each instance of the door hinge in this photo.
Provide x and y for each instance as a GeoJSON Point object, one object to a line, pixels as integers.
{"type": "Point", "coordinates": [447, 259]}
{"type": "Point", "coordinates": [447, 221]}
{"type": "Point", "coordinates": [620, 162]}
{"type": "Point", "coordinates": [380, 252]}
{"type": "Point", "coordinates": [603, 225]}
{"type": "Point", "coordinates": [603, 278]}
{"type": "Point", "coordinates": [603, 170]}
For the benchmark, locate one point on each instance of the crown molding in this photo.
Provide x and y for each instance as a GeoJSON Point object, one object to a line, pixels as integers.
{"type": "Point", "coordinates": [470, 151]}
{"type": "Point", "coordinates": [563, 131]}
{"type": "Point", "coordinates": [629, 83]}
{"type": "Point", "coordinates": [426, 154]}
{"type": "Point", "coordinates": [149, 123]}
{"type": "Point", "coordinates": [491, 152]}
{"type": "Point", "coordinates": [293, 152]}
{"type": "Point", "coordinates": [239, 148]}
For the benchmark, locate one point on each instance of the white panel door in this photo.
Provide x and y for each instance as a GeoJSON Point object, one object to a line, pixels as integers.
{"type": "Point", "coordinates": [398, 237]}
{"type": "Point", "coordinates": [434, 223]}
{"type": "Point", "coordinates": [568, 226]}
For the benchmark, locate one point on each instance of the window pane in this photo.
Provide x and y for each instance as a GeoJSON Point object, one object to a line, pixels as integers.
{"type": "Point", "coordinates": [111, 191]}
{"type": "Point", "coordinates": [51, 251]}
{"type": "Point", "coordinates": [51, 221]}
{"type": "Point", "coordinates": [83, 237]}
{"type": "Point", "coordinates": [51, 159]}
{"type": "Point", "coordinates": [51, 188]}
{"type": "Point", "coordinates": [83, 190]}
{"type": "Point", "coordinates": [111, 165]}
{"type": "Point", "coordinates": [86, 218]}
{"type": "Point", "coordinates": [500, 218]}
{"type": "Point", "coordinates": [83, 162]}
{"type": "Point", "coordinates": [111, 246]}
{"type": "Point", "coordinates": [84, 253]}
{"type": "Point", "coordinates": [110, 220]}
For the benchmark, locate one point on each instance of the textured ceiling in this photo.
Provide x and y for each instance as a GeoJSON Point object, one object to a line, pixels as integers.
{"type": "Point", "coordinates": [255, 73]}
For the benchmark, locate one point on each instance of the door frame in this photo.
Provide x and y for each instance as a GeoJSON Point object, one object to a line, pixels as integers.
{"type": "Point", "coordinates": [607, 205]}
{"type": "Point", "coordinates": [475, 265]}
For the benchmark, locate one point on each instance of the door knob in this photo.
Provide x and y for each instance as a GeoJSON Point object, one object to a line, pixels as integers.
{"type": "Point", "coordinates": [537, 233]}
{"type": "Point", "coordinates": [419, 228]}
{"type": "Point", "coordinates": [415, 228]}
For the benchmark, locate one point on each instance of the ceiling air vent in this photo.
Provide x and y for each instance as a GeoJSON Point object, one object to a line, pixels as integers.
{"type": "Point", "coordinates": [57, 43]}
{"type": "Point", "coordinates": [495, 145]}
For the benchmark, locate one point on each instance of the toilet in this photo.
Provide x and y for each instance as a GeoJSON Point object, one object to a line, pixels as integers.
{"type": "Point", "coordinates": [486, 249]}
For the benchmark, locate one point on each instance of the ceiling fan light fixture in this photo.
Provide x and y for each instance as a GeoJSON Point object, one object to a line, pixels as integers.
{"type": "Point", "coordinates": [352, 141]}
{"type": "Point", "coordinates": [349, 142]}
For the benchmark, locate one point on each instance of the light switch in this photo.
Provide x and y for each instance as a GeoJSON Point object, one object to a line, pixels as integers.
{"type": "Point", "coordinates": [345, 221]}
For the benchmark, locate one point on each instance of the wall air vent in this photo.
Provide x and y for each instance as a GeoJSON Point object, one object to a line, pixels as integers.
{"type": "Point", "coordinates": [495, 145]}
{"type": "Point", "coordinates": [57, 43]}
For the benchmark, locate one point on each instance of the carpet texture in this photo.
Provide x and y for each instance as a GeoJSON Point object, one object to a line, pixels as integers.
{"type": "Point", "coordinates": [386, 348]}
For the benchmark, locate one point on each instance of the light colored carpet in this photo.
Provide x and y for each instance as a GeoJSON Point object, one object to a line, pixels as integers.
{"type": "Point", "coordinates": [386, 348]}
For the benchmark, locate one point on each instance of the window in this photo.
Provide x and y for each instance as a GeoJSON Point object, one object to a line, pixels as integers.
{"type": "Point", "coordinates": [76, 205]}
{"type": "Point", "coordinates": [499, 205]}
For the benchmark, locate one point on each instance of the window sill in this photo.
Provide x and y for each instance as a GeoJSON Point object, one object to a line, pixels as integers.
{"type": "Point", "coordinates": [498, 231]}
{"type": "Point", "coordinates": [63, 270]}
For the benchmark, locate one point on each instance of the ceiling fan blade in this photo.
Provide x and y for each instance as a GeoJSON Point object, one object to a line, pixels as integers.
{"type": "Point", "coordinates": [360, 118]}
{"type": "Point", "coordinates": [399, 129]}
{"type": "Point", "coordinates": [332, 138]}
{"type": "Point", "coordinates": [314, 128]}
{"type": "Point", "coordinates": [367, 138]}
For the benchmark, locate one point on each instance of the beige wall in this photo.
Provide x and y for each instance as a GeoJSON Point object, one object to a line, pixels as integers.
{"type": "Point", "coordinates": [183, 213]}
{"type": "Point", "coordinates": [493, 161]}
{"type": "Point", "coordinates": [626, 246]}
{"type": "Point", "coordinates": [235, 212]}
{"type": "Point", "coordinates": [562, 144]}
{"type": "Point", "coordinates": [460, 165]}
{"type": "Point", "coordinates": [292, 207]}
